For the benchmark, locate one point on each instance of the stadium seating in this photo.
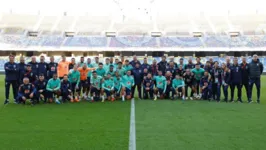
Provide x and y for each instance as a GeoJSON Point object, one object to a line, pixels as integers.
{"type": "Point", "coordinates": [251, 41]}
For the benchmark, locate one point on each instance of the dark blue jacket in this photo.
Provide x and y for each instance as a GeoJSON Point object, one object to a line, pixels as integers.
{"type": "Point", "coordinates": [30, 74]}
{"type": "Point", "coordinates": [42, 68]}
{"type": "Point", "coordinates": [52, 69]}
{"type": "Point", "coordinates": [255, 69]}
{"type": "Point", "coordinates": [190, 66]}
{"type": "Point", "coordinates": [227, 77]}
{"type": "Point", "coordinates": [203, 80]}
{"type": "Point", "coordinates": [11, 71]}
{"type": "Point", "coordinates": [133, 63]}
{"type": "Point", "coordinates": [179, 72]}
{"type": "Point", "coordinates": [138, 75]}
{"type": "Point", "coordinates": [146, 66]}
{"type": "Point", "coordinates": [22, 69]}
{"type": "Point", "coordinates": [245, 75]}
{"type": "Point", "coordinates": [217, 73]}
{"type": "Point", "coordinates": [34, 67]}
{"type": "Point", "coordinates": [172, 70]}
{"type": "Point", "coordinates": [236, 74]}
{"type": "Point", "coordinates": [26, 89]}
{"type": "Point", "coordinates": [65, 86]}
{"type": "Point", "coordinates": [40, 85]}
{"type": "Point", "coordinates": [148, 83]}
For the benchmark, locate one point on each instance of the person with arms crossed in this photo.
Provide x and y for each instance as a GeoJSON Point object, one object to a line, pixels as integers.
{"type": "Point", "coordinates": [11, 78]}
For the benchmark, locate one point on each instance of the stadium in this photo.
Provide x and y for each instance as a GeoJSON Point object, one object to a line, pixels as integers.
{"type": "Point", "coordinates": [214, 52]}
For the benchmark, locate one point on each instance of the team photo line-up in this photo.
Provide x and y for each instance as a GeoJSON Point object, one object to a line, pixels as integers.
{"type": "Point", "coordinates": [94, 81]}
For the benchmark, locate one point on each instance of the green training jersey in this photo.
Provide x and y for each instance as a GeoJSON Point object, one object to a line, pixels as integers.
{"type": "Point", "coordinates": [53, 84]}
{"type": "Point", "coordinates": [127, 67]}
{"type": "Point", "coordinates": [198, 73]}
{"type": "Point", "coordinates": [161, 82]}
{"type": "Point", "coordinates": [100, 72]}
{"type": "Point", "coordinates": [74, 76]}
{"type": "Point", "coordinates": [117, 83]}
{"type": "Point", "coordinates": [110, 72]}
{"type": "Point", "coordinates": [121, 71]}
{"type": "Point", "coordinates": [108, 84]}
{"type": "Point", "coordinates": [128, 81]}
{"type": "Point", "coordinates": [106, 67]}
{"type": "Point", "coordinates": [90, 65]}
{"type": "Point", "coordinates": [95, 65]}
{"type": "Point", "coordinates": [96, 82]}
{"type": "Point", "coordinates": [178, 83]}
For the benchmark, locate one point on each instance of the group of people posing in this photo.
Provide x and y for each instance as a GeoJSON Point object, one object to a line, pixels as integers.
{"type": "Point", "coordinates": [115, 79]}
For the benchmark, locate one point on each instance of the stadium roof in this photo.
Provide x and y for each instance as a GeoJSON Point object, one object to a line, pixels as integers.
{"type": "Point", "coordinates": [136, 17]}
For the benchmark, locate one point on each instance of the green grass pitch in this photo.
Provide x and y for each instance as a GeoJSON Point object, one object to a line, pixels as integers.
{"type": "Point", "coordinates": [160, 125]}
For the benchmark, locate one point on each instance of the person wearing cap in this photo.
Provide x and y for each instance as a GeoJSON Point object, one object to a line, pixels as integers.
{"type": "Point", "coordinates": [138, 78]}
{"type": "Point", "coordinates": [108, 88]}
{"type": "Point", "coordinates": [42, 67]}
{"type": "Point", "coordinates": [40, 86]}
{"type": "Point", "coordinates": [255, 69]}
{"type": "Point", "coordinates": [96, 83]}
{"type": "Point", "coordinates": [100, 71]}
{"type": "Point", "coordinates": [52, 68]}
{"type": "Point", "coordinates": [84, 83]}
{"type": "Point", "coordinates": [34, 65]}
{"type": "Point", "coordinates": [30, 74]}
{"type": "Point", "coordinates": [63, 67]}
{"type": "Point", "coordinates": [26, 91]}
{"type": "Point", "coordinates": [53, 89]}
{"type": "Point", "coordinates": [111, 71]}
{"type": "Point", "coordinates": [198, 74]}
{"type": "Point", "coordinates": [127, 83]}
{"type": "Point", "coordinates": [74, 79]}
{"type": "Point", "coordinates": [11, 78]}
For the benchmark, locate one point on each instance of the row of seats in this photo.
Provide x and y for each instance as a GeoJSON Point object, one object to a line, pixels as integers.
{"type": "Point", "coordinates": [4, 59]}
{"type": "Point", "coordinates": [133, 41]}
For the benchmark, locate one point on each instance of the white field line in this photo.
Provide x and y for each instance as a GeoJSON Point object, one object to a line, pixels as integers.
{"type": "Point", "coordinates": [132, 130]}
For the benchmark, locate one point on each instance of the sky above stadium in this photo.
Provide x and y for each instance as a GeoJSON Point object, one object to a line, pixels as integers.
{"type": "Point", "coordinates": [129, 7]}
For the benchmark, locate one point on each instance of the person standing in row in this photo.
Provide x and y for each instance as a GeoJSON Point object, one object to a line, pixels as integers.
{"type": "Point", "coordinates": [255, 69]}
